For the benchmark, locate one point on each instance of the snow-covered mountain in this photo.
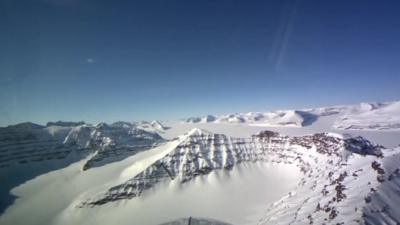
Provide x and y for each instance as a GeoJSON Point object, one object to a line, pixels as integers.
{"type": "Point", "coordinates": [154, 126]}
{"type": "Point", "coordinates": [338, 174]}
{"type": "Point", "coordinates": [371, 116]}
{"type": "Point", "coordinates": [364, 116]}
{"type": "Point", "coordinates": [28, 150]}
{"type": "Point", "coordinates": [29, 142]}
{"type": "Point", "coordinates": [343, 179]}
{"type": "Point", "coordinates": [307, 166]}
{"type": "Point", "coordinates": [111, 142]}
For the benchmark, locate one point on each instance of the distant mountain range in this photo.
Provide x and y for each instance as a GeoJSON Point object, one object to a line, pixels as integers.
{"type": "Point", "coordinates": [364, 116]}
{"type": "Point", "coordinates": [343, 179]}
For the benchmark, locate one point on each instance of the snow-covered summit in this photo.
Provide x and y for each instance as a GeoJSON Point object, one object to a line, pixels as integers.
{"type": "Point", "coordinates": [371, 116]}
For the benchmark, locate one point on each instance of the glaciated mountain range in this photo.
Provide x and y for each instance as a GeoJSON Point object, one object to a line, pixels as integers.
{"type": "Point", "coordinates": [28, 150]}
{"type": "Point", "coordinates": [28, 142]}
{"type": "Point", "coordinates": [127, 171]}
{"type": "Point", "coordinates": [364, 116]}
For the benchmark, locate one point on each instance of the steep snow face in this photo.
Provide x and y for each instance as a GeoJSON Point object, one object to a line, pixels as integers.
{"type": "Point", "coordinates": [371, 116]}
{"type": "Point", "coordinates": [112, 142]}
{"type": "Point", "coordinates": [202, 152]}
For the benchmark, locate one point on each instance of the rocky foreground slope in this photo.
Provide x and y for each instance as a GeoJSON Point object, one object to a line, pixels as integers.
{"type": "Point", "coordinates": [345, 180]}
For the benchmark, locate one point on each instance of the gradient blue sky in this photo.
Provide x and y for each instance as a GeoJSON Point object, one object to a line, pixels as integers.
{"type": "Point", "coordinates": [132, 60]}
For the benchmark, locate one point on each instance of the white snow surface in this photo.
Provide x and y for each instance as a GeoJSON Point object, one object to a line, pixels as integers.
{"type": "Point", "coordinates": [371, 116]}
{"type": "Point", "coordinates": [282, 180]}
{"type": "Point", "coordinates": [363, 116]}
{"type": "Point", "coordinates": [239, 194]}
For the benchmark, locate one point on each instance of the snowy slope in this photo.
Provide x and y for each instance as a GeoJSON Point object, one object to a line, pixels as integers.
{"type": "Point", "coordinates": [332, 169]}
{"type": "Point", "coordinates": [326, 161]}
{"type": "Point", "coordinates": [358, 190]}
{"type": "Point", "coordinates": [28, 150]}
{"type": "Point", "coordinates": [111, 142]}
{"type": "Point", "coordinates": [371, 116]}
{"type": "Point", "coordinates": [364, 116]}
{"type": "Point", "coordinates": [313, 169]}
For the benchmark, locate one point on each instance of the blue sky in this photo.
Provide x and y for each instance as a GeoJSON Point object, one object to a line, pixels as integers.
{"type": "Point", "coordinates": [132, 60]}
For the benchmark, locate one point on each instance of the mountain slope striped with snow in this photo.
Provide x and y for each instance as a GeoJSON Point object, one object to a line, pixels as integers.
{"type": "Point", "coordinates": [311, 166]}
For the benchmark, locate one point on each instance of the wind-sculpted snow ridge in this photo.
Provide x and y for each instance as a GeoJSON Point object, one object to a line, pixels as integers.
{"type": "Point", "coordinates": [202, 152]}
{"type": "Point", "coordinates": [112, 142]}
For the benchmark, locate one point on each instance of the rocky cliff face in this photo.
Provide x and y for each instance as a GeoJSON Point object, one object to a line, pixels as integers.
{"type": "Point", "coordinates": [345, 180]}
{"type": "Point", "coordinates": [201, 152]}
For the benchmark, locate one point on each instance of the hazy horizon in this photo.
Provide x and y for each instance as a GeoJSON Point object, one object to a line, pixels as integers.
{"type": "Point", "coordinates": [95, 61]}
{"type": "Point", "coordinates": [107, 120]}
